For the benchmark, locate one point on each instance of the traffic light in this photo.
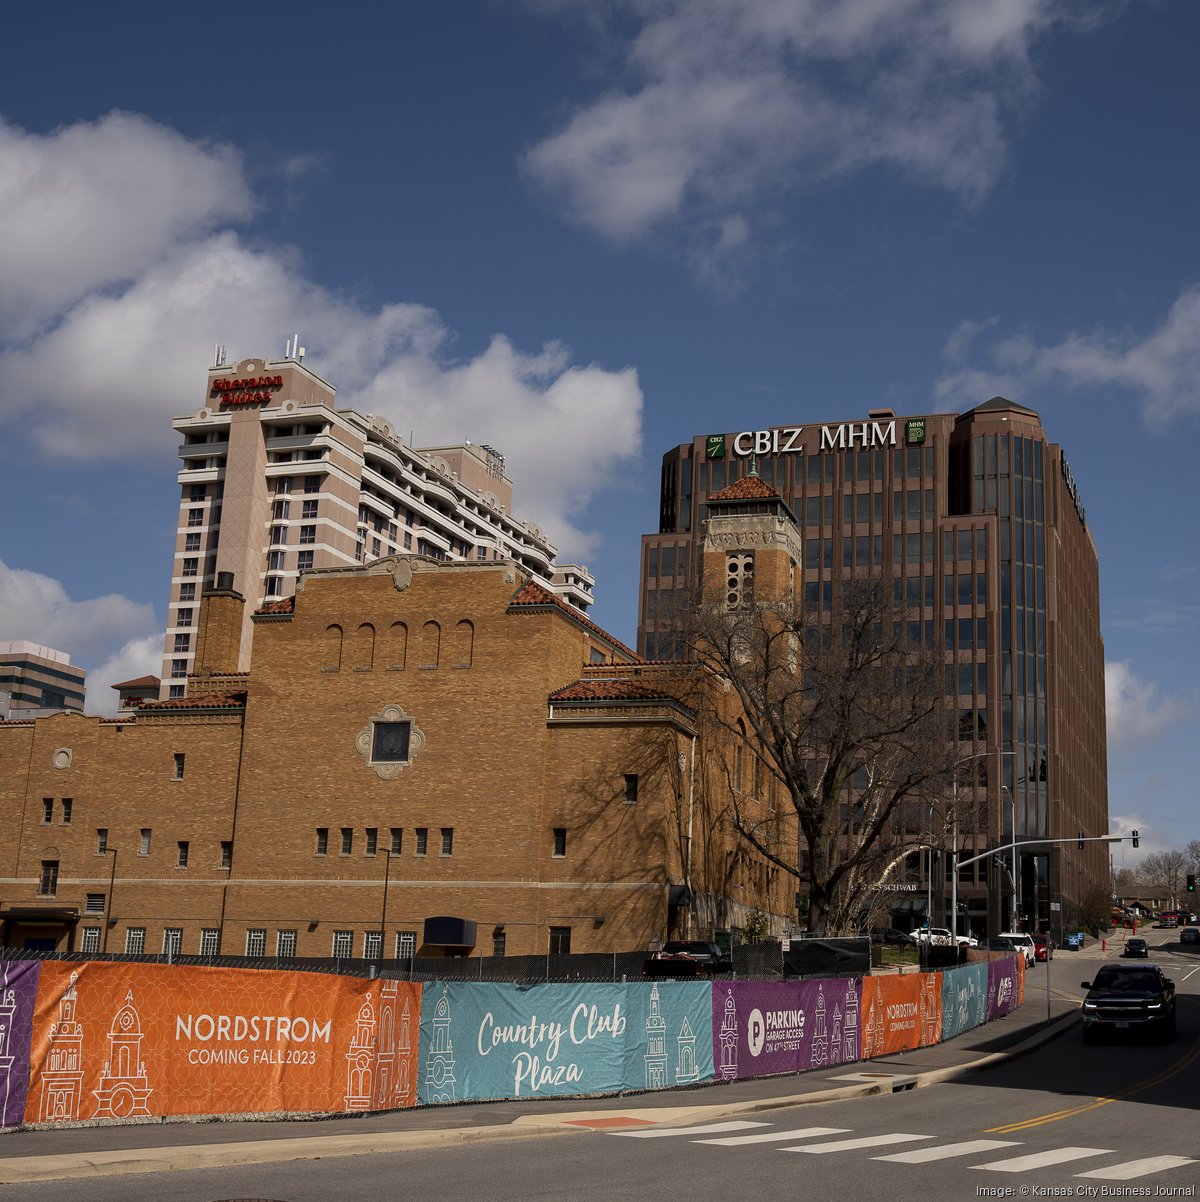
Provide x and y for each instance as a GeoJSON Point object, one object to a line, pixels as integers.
{"type": "Point", "coordinates": [1191, 882]}
{"type": "Point", "coordinates": [1135, 838]}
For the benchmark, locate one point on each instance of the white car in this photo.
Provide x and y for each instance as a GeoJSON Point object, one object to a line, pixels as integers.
{"type": "Point", "coordinates": [938, 936]}
{"type": "Point", "coordinates": [967, 941]}
{"type": "Point", "coordinates": [1024, 941]}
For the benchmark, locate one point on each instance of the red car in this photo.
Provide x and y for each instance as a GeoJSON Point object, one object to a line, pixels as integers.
{"type": "Point", "coordinates": [1043, 947]}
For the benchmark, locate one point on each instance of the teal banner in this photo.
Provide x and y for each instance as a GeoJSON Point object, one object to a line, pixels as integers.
{"type": "Point", "coordinates": [481, 1041]}
{"type": "Point", "coordinates": [964, 999]}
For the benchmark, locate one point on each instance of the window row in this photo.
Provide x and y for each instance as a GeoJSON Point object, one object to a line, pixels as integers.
{"type": "Point", "coordinates": [363, 645]}
{"type": "Point", "coordinates": [65, 808]}
{"type": "Point", "coordinates": [395, 836]}
{"type": "Point", "coordinates": [145, 847]}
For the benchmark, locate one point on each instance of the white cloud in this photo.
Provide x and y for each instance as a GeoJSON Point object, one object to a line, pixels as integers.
{"type": "Point", "coordinates": [1135, 711]}
{"type": "Point", "coordinates": [37, 608]}
{"type": "Point", "coordinates": [104, 378]}
{"type": "Point", "coordinates": [1162, 366]}
{"type": "Point", "coordinates": [134, 659]}
{"type": "Point", "coordinates": [94, 204]}
{"type": "Point", "coordinates": [729, 105]}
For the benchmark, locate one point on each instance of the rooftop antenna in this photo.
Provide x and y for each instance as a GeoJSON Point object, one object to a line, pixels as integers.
{"type": "Point", "coordinates": [219, 355]}
{"type": "Point", "coordinates": [293, 349]}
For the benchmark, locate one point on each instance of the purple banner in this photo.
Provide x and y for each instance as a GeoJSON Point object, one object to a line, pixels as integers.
{"type": "Point", "coordinates": [18, 993]}
{"type": "Point", "coordinates": [766, 1027]}
{"type": "Point", "coordinates": [1002, 986]}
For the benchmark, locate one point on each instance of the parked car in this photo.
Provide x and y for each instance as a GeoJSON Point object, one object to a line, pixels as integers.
{"type": "Point", "coordinates": [1136, 949]}
{"type": "Point", "coordinates": [1127, 997]}
{"type": "Point", "coordinates": [938, 936]}
{"type": "Point", "coordinates": [710, 956]}
{"type": "Point", "coordinates": [1023, 942]}
{"type": "Point", "coordinates": [1190, 935]}
{"type": "Point", "coordinates": [1167, 921]}
{"type": "Point", "coordinates": [892, 936]}
{"type": "Point", "coordinates": [967, 940]}
{"type": "Point", "coordinates": [998, 943]}
{"type": "Point", "coordinates": [1043, 947]}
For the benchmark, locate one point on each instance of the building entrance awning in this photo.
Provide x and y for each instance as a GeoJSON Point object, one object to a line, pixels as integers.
{"type": "Point", "coordinates": [44, 916]}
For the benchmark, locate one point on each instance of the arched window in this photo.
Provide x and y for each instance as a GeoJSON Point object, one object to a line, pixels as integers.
{"type": "Point", "coordinates": [397, 645]}
{"type": "Point", "coordinates": [464, 644]}
{"type": "Point", "coordinates": [431, 645]}
{"type": "Point", "coordinates": [364, 648]}
{"type": "Point", "coordinates": [333, 648]}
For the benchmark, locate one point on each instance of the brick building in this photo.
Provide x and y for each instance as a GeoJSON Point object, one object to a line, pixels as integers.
{"type": "Point", "coordinates": [422, 756]}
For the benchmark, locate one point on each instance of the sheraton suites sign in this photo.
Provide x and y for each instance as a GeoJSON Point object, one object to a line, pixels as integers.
{"type": "Point", "coordinates": [247, 390]}
{"type": "Point", "coordinates": [848, 436]}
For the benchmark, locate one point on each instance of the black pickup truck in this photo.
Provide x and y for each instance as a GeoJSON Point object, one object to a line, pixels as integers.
{"type": "Point", "coordinates": [1129, 997]}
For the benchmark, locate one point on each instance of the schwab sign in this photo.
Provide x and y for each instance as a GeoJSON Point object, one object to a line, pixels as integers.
{"type": "Point", "coordinates": [785, 440]}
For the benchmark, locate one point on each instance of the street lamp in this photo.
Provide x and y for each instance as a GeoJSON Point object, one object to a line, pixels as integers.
{"type": "Point", "coordinates": [112, 876]}
{"type": "Point", "coordinates": [1016, 883]}
{"type": "Point", "coordinates": [387, 872]}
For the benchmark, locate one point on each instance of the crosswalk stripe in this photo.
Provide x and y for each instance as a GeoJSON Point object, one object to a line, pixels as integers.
{"type": "Point", "coordinates": [865, 1141]}
{"type": "Point", "coordinates": [946, 1151]}
{"type": "Point", "coordinates": [702, 1129]}
{"type": "Point", "coordinates": [1037, 1160]}
{"type": "Point", "coordinates": [1138, 1168]}
{"type": "Point", "coordinates": [773, 1137]}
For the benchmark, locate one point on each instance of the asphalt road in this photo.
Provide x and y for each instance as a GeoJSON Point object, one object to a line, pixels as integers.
{"type": "Point", "coordinates": [1119, 1120]}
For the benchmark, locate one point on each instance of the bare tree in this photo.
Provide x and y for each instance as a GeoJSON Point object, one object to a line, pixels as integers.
{"type": "Point", "coordinates": [851, 720]}
{"type": "Point", "coordinates": [1164, 871]}
{"type": "Point", "coordinates": [1192, 852]}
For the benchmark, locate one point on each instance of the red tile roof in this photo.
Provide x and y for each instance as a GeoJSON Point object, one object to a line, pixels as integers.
{"type": "Point", "coordinates": [142, 682]}
{"type": "Point", "coordinates": [748, 488]}
{"type": "Point", "coordinates": [532, 595]}
{"type": "Point", "coordinates": [286, 606]}
{"type": "Point", "coordinates": [610, 690]}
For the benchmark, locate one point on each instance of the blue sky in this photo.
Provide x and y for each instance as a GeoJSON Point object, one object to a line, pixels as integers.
{"type": "Point", "coordinates": [585, 233]}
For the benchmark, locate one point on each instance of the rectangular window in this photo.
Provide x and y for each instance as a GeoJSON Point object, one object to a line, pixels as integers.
{"type": "Point", "coordinates": [210, 942]}
{"type": "Point", "coordinates": [182, 861]}
{"type": "Point", "coordinates": [422, 840]}
{"type": "Point", "coordinates": [279, 536]}
{"type": "Point", "coordinates": [312, 483]}
{"type": "Point", "coordinates": [68, 805]}
{"type": "Point", "coordinates": [91, 939]}
{"type": "Point", "coordinates": [285, 945]}
{"type": "Point", "coordinates": [372, 945]}
{"type": "Point", "coordinates": [308, 509]}
{"type": "Point", "coordinates": [178, 668]}
{"type": "Point", "coordinates": [322, 841]}
{"type": "Point", "coordinates": [283, 486]}
{"type": "Point", "coordinates": [196, 493]}
{"type": "Point", "coordinates": [447, 840]}
{"type": "Point", "coordinates": [497, 943]}
{"type": "Point", "coordinates": [184, 616]}
{"type": "Point", "coordinates": [101, 840]}
{"type": "Point", "coordinates": [144, 841]}
{"type": "Point", "coordinates": [47, 810]}
{"type": "Point", "coordinates": [275, 561]}
{"type": "Point", "coordinates": [175, 690]}
{"type": "Point", "coordinates": [191, 542]}
{"type": "Point", "coordinates": [135, 941]}
{"type": "Point", "coordinates": [343, 945]}
{"type": "Point", "coordinates": [180, 763]}
{"type": "Point", "coordinates": [375, 548]}
{"type": "Point", "coordinates": [49, 882]}
{"type": "Point", "coordinates": [397, 840]}
{"type": "Point", "coordinates": [274, 586]}
{"type": "Point", "coordinates": [406, 945]}
{"type": "Point", "coordinates": [308, 535]}
{"type": "Point", "coordinates": [304, 561]}
{"type": "Point", "coordinates": [347, 840]}
{"type": "Point", "coordinates": [631, 787]}
{"type": "Point", "coordinates": [560, 941]}
{"type": "Point", "coordinates": [560, 840]}
{"type": "Point", "coordinates": [280, 510]}
{"type": "Point", "coordinates": [172, 941]}
{"type": "Point", "coordinates": [256, 943]}
{"type": "Point", "coordinates": [372, 841]}
{"type": "Point", "coordinates": [187, 592]}
{"type": "Point", "coordinates": [226, 854]}
{"type": "Point", "coordinates": [190, 566]}
{"type": "Point", "coordinates": [182, 643]}
{"type": "Point", "coordinates": [390, 742]}
{"type": "Point", "coordinates": [94, 903]}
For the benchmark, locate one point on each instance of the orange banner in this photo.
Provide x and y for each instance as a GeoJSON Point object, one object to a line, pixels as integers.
{"type": "Point", "coordinates": [900, 1012]}
{"type": "Point", "coordinates": [117, 1041]}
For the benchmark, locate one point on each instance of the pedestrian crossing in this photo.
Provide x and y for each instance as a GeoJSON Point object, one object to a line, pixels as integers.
{"type": "Point", "coordinates": [990, 1155]}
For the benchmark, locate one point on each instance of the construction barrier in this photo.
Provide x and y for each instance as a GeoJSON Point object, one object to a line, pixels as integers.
{"type": "Point", "coordinates": [107, 1041]}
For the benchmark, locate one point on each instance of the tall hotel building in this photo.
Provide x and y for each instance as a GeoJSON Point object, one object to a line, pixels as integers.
{"type": "Point", "coordinates": [274, 481]}
{"type": "Point", "coordinates": [977, 520]}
